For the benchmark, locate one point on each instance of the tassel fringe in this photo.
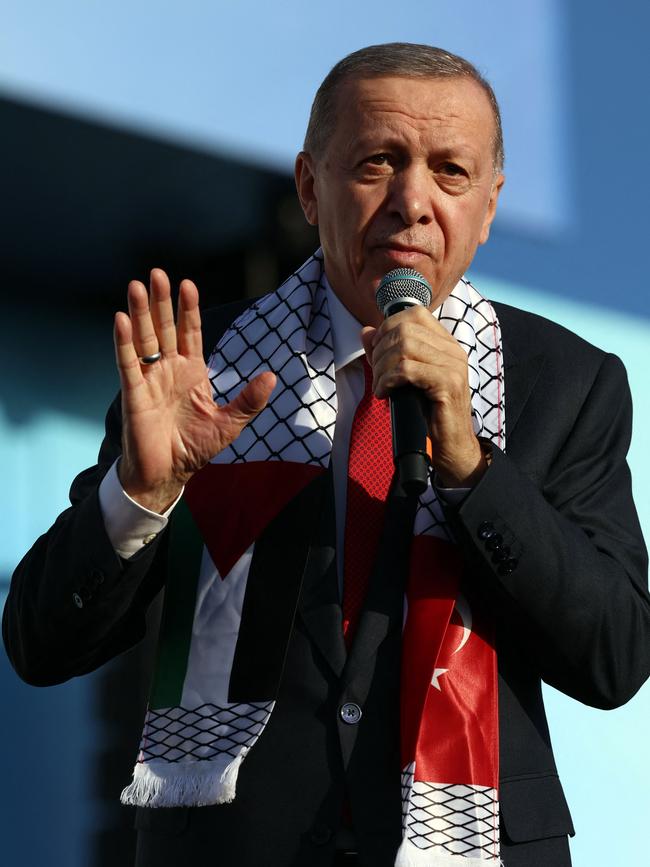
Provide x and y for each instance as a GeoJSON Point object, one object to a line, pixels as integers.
{"type": "Point", "coordinates": [183, 784]}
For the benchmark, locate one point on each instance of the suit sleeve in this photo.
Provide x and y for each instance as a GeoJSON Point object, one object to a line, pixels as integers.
{"type": "Point", "coordinates": [572, 590]}
{"type": "Point", "coordinates": [73, 603]}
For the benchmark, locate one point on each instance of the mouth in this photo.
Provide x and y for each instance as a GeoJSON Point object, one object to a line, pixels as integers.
{"type": "Point", "coordinates": [397, 247]}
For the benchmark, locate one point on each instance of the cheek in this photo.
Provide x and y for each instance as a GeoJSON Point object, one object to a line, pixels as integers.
{"type": "Point", "coordinates": [369, 220]}
{"type": "Point", "coordinates": [464, 229]}
{"type": "Point", "coordinates": [351, 220]}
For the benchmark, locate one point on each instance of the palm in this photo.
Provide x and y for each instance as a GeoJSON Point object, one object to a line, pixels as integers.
{"type": "Point", "coordinates": [171, 425]}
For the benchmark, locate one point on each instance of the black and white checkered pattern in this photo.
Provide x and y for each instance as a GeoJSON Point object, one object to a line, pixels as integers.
{"type": "Point", "coordinates": [289, 333]}
{"type": "Point", "coordinates": [202, 733]}
{"type": "Point", "coordinates": [457, 819]}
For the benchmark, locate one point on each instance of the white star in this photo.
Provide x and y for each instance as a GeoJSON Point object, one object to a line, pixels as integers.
{"type": "Point", "coordinates": [436, 674]}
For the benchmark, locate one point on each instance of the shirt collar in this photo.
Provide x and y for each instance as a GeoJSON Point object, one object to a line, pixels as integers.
{"type": "Point", "coordinates": [346, 330]}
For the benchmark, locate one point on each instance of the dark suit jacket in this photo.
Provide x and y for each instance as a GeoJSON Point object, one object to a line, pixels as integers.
{"type": "Point", "coordinates": [574, 612]}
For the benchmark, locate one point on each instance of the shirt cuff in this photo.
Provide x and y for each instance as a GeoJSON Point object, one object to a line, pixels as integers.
{"type": "Point", "coordinates": [129, 525]}
{"type": "Point", "coordinates": [451, 496]}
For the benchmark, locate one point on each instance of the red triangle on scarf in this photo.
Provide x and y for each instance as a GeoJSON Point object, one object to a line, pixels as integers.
{"type": "Point", "coordinates": [233, 503]}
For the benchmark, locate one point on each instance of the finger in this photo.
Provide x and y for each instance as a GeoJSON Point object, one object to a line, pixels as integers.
{"type": "Point", "coordinates": [406, 372]}
{"type": "Point", "coordinates": [367, 338]}
{"type": "Point", "coordinates": [442, 380]}
{"type": "Point", "coordinates": [126, 357]}
{"type": "Point", "coordinates": [397, 347]}
{"type": "Point", "coordinates": [190, 340]}
{"type": "Point", "coordinates": [412, 317]}
{"type": "Point", "coordinates": [251, 399]}
{"type": "Point", "coordinates": [144, 335]}
{"type": "Point", "coordinates": [162, 311]}
{"type": "Point", "coordinates": [410, 339]}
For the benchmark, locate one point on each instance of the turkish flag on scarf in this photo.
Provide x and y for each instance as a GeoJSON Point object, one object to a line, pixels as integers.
{"type": "Point", "coordinates": [449, 689]}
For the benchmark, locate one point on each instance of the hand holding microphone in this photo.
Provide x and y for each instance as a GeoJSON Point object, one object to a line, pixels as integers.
{"type": "Point", "coordinates": [422, 369]}
{"type": "Point", "coordinates": [400, 289]}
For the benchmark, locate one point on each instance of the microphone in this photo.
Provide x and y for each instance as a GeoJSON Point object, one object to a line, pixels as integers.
{"type": "Point", "coordinates": [399, 289]}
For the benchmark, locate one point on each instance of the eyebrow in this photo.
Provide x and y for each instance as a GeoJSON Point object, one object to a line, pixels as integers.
{"type": "Point", "coordinates": [389, 141]}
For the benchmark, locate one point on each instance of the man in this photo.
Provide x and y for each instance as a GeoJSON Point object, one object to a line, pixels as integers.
{"type": "Point", "coordinates": [331, 646]}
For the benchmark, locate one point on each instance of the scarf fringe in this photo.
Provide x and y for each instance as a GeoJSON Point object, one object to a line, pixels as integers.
{"type": "Point", "coordinates": [409, 855]}
{"type": "Point", "coordinates": [183, 784]}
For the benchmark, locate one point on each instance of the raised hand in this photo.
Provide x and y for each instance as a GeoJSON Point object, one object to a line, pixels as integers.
{"type": "Point", "coordinates": [171, 425]}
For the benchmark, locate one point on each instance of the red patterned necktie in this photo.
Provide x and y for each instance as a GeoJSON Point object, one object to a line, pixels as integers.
{"type": "Point", "coordinates": [370, 472]}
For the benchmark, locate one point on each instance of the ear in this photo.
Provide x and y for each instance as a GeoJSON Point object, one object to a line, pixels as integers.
{"type": "Point", "coordinates": [491, 208]}
{"type": "Point", "coordinates": [305, 184]}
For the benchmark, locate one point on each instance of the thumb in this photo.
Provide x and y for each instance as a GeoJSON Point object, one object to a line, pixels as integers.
{"type": "Point", "coordinates": [251, 399]}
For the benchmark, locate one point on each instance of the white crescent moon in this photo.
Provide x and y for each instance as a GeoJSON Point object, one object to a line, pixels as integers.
{"type": "Point", "coordinates": [465, 614]}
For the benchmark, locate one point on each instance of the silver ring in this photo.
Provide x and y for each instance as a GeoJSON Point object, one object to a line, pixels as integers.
{"type": "Point", "coordinates": [151, 359]}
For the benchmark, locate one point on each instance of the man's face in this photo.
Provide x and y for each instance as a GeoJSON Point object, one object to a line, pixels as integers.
{"type": "Point", "coordinates": [406, 180]}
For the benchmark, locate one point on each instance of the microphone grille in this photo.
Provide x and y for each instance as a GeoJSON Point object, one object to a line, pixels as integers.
{"type": "Point", "coordinates": [402, 283]}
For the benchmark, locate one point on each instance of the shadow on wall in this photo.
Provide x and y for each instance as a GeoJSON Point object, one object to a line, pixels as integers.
{"type": "Point", "coordinates": [97, 207]}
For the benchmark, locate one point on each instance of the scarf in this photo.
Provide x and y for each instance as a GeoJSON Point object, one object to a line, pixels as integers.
{"type": "Point", "coordinates": [199, 726]}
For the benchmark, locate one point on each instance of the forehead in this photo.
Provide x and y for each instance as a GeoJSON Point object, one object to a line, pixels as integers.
{"type": "Point", "coordinates": [455, 105]}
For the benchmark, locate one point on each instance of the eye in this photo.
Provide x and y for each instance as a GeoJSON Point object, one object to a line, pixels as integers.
{"type": "Point", "coordinates": [377, 165]}
{"type": "Point", "coordinates": [452, 170]}
{"type": "Point", "coordinates": [378, 160]}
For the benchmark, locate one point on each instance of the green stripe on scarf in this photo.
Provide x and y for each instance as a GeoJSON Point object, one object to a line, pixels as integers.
{"type": "Point", "coordinates": [184, 562]}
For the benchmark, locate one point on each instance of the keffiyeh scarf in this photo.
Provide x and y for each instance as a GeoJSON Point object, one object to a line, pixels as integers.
{"type": "Point", "coordinates": [196, 734]}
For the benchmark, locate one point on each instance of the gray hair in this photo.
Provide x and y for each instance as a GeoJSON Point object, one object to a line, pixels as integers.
{"type": "Point", "coordinates": [393, 59]}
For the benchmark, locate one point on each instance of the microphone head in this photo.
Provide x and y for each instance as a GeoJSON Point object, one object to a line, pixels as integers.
{"type": "Point", "coordinates": [403, 286]}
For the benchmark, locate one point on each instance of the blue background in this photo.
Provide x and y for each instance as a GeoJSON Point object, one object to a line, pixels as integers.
{"type": "Point", "coordinates": [569, 242]}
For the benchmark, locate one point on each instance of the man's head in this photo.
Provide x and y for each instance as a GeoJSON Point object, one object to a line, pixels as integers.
{"type": "Point", "coordinates": [401, 167]}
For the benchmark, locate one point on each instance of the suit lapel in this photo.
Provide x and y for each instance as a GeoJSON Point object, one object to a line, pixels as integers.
{"type": "Point", "coordinates": [383, 607]}
{"type": "Point", "coordinates": [273, 590]}
{"type": "Point", "coordinates": [521, 372]}
{"type": "Point", "coordinates": [320, 606]}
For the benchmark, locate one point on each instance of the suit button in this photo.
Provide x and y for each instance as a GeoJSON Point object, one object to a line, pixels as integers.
{"type": "Point", "coordinates": [78, 601]}
{"type": "Point", "coordinates": [508, 567]}
{"type": "Point", "coordinates": [494, 542]}
{"type": "Point", "coordinates": [320, 835]}
{"type": "Point", "coordinates": [350, 713]}
{"type": "Point", "coordinates": [486, 530]}
{"type": "Point", "coordinates": [96, 577]}
{"type": "Point", "coordinates": [501, 555]}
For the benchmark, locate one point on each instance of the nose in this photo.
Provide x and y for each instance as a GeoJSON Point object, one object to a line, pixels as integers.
{"type": "Point", "coordinates": [410, 196]}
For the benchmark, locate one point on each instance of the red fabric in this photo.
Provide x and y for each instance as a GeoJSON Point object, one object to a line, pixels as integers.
{"type": "Point", "coordinates": [233, 503]}
{"type": "Point", "coordinates": [370, 472]}
{"type": "Point", "coordinates": [450, 727]}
